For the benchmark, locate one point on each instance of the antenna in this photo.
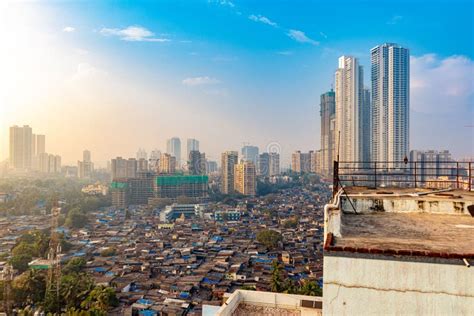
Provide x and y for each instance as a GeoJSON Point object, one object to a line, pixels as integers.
{"type": "Point", "coordinates": [7, 288]}
{"type": "Point", "coordinates": [54, 273]}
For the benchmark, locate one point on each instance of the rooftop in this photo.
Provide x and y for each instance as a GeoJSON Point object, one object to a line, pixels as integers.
{"type": "Point", "coordinates": [406, 222]}
{"type": "Point", "coordinates": [415, 232]}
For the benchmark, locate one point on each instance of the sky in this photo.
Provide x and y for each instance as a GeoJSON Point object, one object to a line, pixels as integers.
{"type": "Point", "coordinates": [115, 76]}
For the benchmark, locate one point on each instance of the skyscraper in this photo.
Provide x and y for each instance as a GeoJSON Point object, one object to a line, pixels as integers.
{"type": "Point", "coordinates": [21, 147]}
{"type": "Point", "coordinates": [85, 167]}
{"type": "Point", "coordinates": [141, 154]}
{"type": "Point", "coordinates": [86, 156]}
{"type": "Point", "coordinates": [351, 111]}
{"type": "Point", "coordinates": [124, 168]}
{"type": "Point", "coordinates": [191, 144]}
{"type": "Point", "coordinates": [390, 102]}
{"type": "Point", "coordinates": [245, 178]}
{"type": "Point", "coordinates": [40, 144]}
{"type": "Point", "coordinates": [197, 162]}
{"type": "Point", "coordinates": [167, 164]}
{"type": "Point", "coordinates": [250, 153]}
{"type": "Point", "coordinates": [228, 160]}
{"type": "Point", "coordinates": [264, 165]}
{"type": "Point", "coordinates": [274, 164]}
{"type": "Point", "coordinates": [173, 147]}
{"type": "Point", "coordinates": [328, 114]}
{"type": "Point", "coordinates": [301, 162]}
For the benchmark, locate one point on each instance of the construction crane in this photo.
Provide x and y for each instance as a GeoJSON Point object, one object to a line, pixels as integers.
{"type": "Point", "coordinates": [7, 288]}
{"type": "Point", "coordinates": [54, 272]}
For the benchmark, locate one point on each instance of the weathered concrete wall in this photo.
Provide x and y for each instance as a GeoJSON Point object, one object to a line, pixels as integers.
{"type": "Point", "coordinates": [270, 299]}
{"type": "Point", "coordinates": [359, 286]}
{"type": "Point", "coordinates": [373, 203]}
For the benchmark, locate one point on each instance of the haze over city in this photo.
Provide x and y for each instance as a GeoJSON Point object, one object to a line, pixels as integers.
{"type": "Point", "coordinates": [112, 77]}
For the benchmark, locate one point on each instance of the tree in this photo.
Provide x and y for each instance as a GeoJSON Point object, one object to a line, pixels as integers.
{"type": "Point", "coordinates": [75, 265]}
{"type": "Point", "coordinates": [75, 288]}
{"type": "Point", "coordinates": [310, 288]}
{"type": "Point", "coordinates": [276, 281]}
{"type": "Point", "coordinates": [269, 238]}
{"type": "Point", "coordinates": [22, 254]}
{"type": "Point", "coordinates": [29, 287]}
{"type": "Point", "coordinates": [76, 218]}
{"type": "Point", "coordinates": [100, 299]}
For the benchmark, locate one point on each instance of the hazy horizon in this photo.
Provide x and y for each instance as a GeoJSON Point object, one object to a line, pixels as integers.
{"type": "Point", "coordinates": [115, 77]}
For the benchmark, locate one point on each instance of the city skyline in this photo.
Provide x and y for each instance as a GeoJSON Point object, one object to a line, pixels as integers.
{"type": "Point", "coordinates": [260, 88]}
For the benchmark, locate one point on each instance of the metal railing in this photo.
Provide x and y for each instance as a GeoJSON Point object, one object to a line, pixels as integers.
{"type": "Point", "coordinates": [405, 174]}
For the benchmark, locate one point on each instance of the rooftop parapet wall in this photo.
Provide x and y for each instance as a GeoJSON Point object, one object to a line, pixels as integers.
{"type": "Point", "coordinates": [404, 200]}
{"type": "Point", "coordinates": [289, 302]}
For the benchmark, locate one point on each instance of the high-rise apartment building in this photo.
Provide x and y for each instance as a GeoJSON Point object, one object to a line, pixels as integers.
{"type": "Point", "coordinates": [142, 165]}
{"type": "Point", "coordinates": [301, 162]}
{"type": "Point", "coordinates": [352, 137]}
{"type": "Point", "coordinates": [21, 139]}
{"type": "Point", "coordinates": [328, 116]}
{"type": "Point", "coordinates": [40, 141]}
{"type": "Point", "coordinates": [245, 178]}
{"type": "Point", "coordinates": [274, 164]}
{"type": "Point", "coordinates": [316, 158]}
{"type": "Point", "coordinates": [228, 160]}
{"type": "Point", "coordinates": [250, 153]}
{"type": "Point", "coordinates": [124, 168]}
{"type": "Point", "coordinates": [431, 164]}
{"type": "Point", "coordinates": [211, 167]}
{"type": "Point", "coordinates": [85, 167]}
{"type": "Point", "coordinates": [167, 164]}
{"type": "Point", "coordinates": [141, 154]}
{"type": "Point", "coordinates": [264, 165]}
{"type": "Point", "coordinates": [191, 144]}
{"type": "Point", "coordinates": [390, 102]}
{"type": "Point", "coordinates": [197, 162]}
{"type": "Point", "coordinates": [155, 160]}
{"type": "Point", "coordinates": [173, 147]}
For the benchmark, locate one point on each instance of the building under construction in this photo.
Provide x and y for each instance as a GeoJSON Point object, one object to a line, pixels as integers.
{"type": "Point", "coordinates": [137, 191]}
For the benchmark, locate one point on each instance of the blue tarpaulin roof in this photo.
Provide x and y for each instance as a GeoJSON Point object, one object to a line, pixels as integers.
{"type": "Point", "coordinates": [208, 281]}
{"type": "Point", "coordinates": [145, 301]}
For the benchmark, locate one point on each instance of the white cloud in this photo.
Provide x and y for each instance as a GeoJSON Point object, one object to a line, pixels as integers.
{"type": "Point", "coordinates": [440, 85]}
{"type": "Point", "coordinates": [395, 19]}
{"type": "Point", "coordinates": [223, 2]}
{"type": "Point", "coordinates": [198, 81]}
{"type": "Point", "coordinates": [69, 29]}
{"type": "Point", "coordinates": [133, 34]}
{"type": "Point", "coordinates": [301, 37]}
{"type": "Point", "coordinates": [262, 19]}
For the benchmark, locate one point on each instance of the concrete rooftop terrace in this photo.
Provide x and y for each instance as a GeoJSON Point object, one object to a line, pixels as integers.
{"type": "Point", "coordinates": [394, 221]}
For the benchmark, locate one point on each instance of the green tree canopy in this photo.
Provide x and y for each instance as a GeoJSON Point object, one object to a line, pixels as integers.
{"type": "Point", "coordinates": [269, 238]}
{"type": "Point", "coordinates": [76, 218]}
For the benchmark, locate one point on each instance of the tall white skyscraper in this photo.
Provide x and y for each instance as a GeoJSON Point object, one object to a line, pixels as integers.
{"type": "Point", "coordinates": [21, 139]}
{"type": "Point", "coordinates": [173, 147]}
{"type": "Point", "coordinates": [390, 102]}
{"type": "Point", "coordinates": [192, 144]}
{"type": "Point", "coordinates": [141, 154]}
{"type": "Point", "coordinates": [352, 136]}
{"type": "Point", "coordinates": [250, 153]}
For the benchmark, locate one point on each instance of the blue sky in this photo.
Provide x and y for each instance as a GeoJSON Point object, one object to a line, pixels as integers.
{"type": "Point", "coordinates": [228, 72]}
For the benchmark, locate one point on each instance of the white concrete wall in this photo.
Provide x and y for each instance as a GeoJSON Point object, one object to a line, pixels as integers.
{"type": "Point", "coordinates": [270, 299]}
{"type": "Point", "coordinates": [406, 204]}
{"type": "Point", "coordinates": [357, 286]}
